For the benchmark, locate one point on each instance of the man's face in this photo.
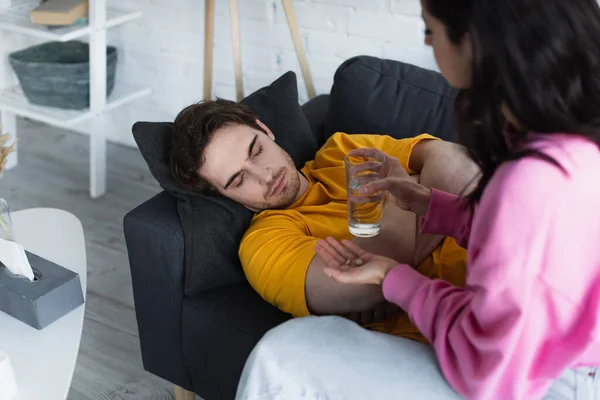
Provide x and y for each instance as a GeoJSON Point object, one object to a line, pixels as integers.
{"type": "Point", "coordinates": [246, 165]}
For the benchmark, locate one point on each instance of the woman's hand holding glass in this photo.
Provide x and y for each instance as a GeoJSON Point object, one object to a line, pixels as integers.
{"type": "Point", "coordinates": [345, 261]}
{"type": "Point", "coordinates": [406, 192]}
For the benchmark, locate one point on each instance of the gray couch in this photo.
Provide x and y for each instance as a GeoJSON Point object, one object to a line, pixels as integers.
{"type": "Point", "coordinates": [200, 342]}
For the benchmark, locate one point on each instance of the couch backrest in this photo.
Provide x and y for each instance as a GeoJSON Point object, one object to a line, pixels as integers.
{"type": "Point", "coordinates": [373, 95]}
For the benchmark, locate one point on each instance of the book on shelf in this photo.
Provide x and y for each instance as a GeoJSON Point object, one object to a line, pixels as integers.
{"type": "Point", "coordinates": [59, 12]}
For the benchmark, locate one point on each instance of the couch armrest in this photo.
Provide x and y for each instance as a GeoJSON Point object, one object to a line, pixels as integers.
{"type": "Point", "coordinates": [230, 321]}
{"type": "Point", "coordinates": [155, 244]}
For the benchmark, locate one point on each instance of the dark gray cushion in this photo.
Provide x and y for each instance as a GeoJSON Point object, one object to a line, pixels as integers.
{"type": "Point", "coordinates": [213, 226]}
{"type": "Point", "coordinates": [372, 95]}
{"type": "Point", "coordinates": [153, 140]}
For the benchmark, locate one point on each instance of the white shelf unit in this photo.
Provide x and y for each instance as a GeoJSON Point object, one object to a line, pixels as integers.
{"type": "Point", "coordinates": [16, 19]}
{"type": "Point", "coordinates": [13, 102]}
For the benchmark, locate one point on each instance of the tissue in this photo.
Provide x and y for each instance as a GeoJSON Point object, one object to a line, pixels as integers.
{"type": "Point", "coordinates": [13, 256]}
{"type": "Point", "coordinates": [8, 384]}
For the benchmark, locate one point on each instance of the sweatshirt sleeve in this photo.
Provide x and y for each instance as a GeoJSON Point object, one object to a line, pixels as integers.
{"type": "Point", "coordinates": [477, 330]}
{"type": "Point", "coordinates": [448, 216]}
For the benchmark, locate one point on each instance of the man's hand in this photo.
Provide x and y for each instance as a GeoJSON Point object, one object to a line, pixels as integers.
{"type": "Point", "coordinates": [359, 268]}
{"type": "Point", "coordinates": [382, 312]}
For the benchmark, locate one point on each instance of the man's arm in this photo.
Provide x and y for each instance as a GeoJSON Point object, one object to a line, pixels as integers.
{"type": "Point", "coordinates": [279, 260]}
{"type": "Point", "coordinates": [444, 166]}
{"type": "Point", "coordinates": [325, 296]}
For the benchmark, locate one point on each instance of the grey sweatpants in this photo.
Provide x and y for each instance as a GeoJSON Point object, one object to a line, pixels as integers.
{"type": "Point", "coordinates": [327, 358]}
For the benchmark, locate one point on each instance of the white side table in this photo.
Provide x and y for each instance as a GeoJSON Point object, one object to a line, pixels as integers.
{"type": "Point", "coordinates": [44, 361]}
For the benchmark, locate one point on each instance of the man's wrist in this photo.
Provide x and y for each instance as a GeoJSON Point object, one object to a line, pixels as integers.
{"type": "Point", "coordinates": [422, 200]}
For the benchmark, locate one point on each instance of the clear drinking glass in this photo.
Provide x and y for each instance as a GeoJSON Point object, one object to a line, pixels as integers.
{"type": "Point", "coordinates": [364, 212]}
{"type": "Point", "coordinates": [6, 231]}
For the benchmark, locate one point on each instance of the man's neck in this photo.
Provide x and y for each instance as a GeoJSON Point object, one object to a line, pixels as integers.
{"type": "Point", "coordinates": [304, 184]}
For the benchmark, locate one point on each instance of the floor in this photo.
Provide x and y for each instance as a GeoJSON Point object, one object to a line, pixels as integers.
{"type": "Point", "coordinates": [53, 172]}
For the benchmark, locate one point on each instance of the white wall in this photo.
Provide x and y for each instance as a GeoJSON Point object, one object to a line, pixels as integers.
{"type": "Point", "coordinates": [164, 48]}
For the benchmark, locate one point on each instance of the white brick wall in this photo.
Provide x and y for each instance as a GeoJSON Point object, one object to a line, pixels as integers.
{"type": "Point", "coordinates": [164, 49]}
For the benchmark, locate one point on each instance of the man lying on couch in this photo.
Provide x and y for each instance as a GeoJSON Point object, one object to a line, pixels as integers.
{"type": "Point", "coordinates": [220, 147]}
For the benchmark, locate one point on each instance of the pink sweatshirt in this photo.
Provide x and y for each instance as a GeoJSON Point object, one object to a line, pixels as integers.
{"type": "Point", "coordinates": [531, 304]}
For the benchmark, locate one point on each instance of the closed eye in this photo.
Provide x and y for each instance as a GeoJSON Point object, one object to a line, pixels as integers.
{"type": "Point", "coordinates": [241, 176]}
{"type": "Point", "coordinates": [241, 182]}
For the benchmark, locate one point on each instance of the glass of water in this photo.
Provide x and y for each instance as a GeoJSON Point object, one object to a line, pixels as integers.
{"type": "Point", "coordinates": [364, 211]}
{"type": "Point", "coordinates": [6, 231]}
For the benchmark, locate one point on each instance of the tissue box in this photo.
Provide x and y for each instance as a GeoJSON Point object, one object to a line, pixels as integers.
{"type": "Point", "coordinates": [55, 292]}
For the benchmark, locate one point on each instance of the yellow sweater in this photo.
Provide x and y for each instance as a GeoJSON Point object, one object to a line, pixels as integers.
{"type": "Point", "coordinates": [279, 244]}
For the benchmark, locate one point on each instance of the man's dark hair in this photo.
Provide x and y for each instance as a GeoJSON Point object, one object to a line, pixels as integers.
{"type": "Point", "coordinates": [193, 129]}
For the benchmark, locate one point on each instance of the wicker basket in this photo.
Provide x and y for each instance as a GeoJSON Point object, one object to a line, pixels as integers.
{"type": "Point", "coordinates": [57, 74]}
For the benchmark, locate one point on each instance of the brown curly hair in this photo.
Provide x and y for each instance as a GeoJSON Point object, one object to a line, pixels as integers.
{"type": "Point", "coordinates": [193, 129]}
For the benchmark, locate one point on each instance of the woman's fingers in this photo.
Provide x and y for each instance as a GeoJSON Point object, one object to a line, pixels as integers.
{"type": "Point", "coordinates": [375, 198]}
{"type": "Point", "coordinates": [376, 186]}
{"type": "Point", "coordinates": [391, 163]}
{"type": "Point", "coordinates": [370, 152]}
{"type": "Point", "coordinates": [374, 166]}
{"type": "Point", "coordinates": [366, 152]}
{"type": "Point", "coordinates": [398, 187]}
{"type": "Point", "coordinates": [361, 181]}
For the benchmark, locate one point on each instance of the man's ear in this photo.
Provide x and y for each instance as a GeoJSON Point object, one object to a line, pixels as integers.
{"type": "Point", "coordinates": [266, 129]}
